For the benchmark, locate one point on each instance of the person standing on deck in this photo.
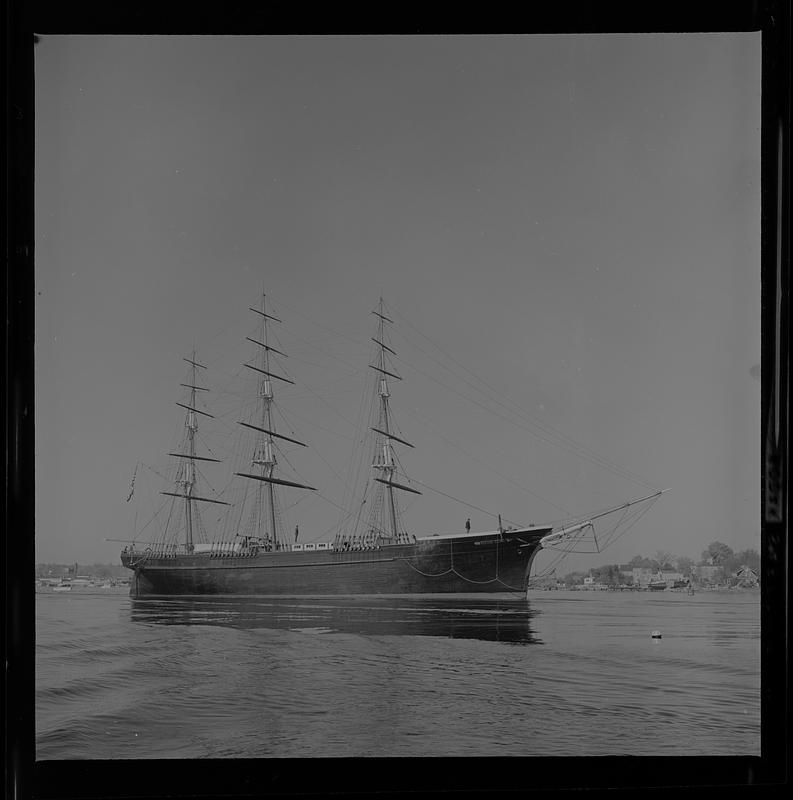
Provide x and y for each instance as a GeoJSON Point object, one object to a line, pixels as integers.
{"type": "Point", "coordinates": [468, 525]}
{"type": "Point", "coordinates": [297, 532]}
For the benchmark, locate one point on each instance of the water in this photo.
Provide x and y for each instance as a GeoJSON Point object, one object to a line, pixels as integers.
{"type": "Point", "coordinates": [566, 673]}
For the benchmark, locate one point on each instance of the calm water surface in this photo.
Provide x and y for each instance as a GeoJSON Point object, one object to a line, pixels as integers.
{"type": "Point", "coordinates": [564, 673]}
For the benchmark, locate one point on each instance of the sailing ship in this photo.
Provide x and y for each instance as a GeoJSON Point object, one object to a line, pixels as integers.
{"type": "Point", "coordinates": [252, 554]}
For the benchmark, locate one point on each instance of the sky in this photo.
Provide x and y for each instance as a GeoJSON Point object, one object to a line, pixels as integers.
{"type": "Point", "coordinates": [565, 230]}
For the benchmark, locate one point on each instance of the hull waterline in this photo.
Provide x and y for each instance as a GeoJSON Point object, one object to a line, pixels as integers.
{"type": "Point", "coordinates": [474, 563]}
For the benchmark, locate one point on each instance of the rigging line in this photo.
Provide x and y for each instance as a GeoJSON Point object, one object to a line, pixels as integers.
{"type": "Point", "coordinates": [154, 516]}
{"type": "Point", "coordinates": [609, 540]}
{"type": "Point", "coordinates": [333, 503]}
{"type": "Point", "coordinates": [325, 366]}
{"type": "Point", "coordinates": [322, 399]}
{"type": "Point", "coordinates": [343, 393]}
{"type": "Point", "coordinates": [245, 491]}
{"type": "Point", "coordinates": [604, 511]}
{"type": "Point", "coordinates": [316, 348]}
{"type": "Point", "coordinates": [206, 481]}
{"type": "Point", "coordinates": [571, 444]}
{"type": "Point", "coordinates": [309, 421]}
{"type": "Point", "coordinates": [540, 423]}
{"type": "Point", "coordinates": [523, 426]}
{"type": "Point", "coordinates": [279, 412]}
{"type": "Point", "coordinates": [345, 377]}
{"type": "Point", "coordinates": [566, 547]}
{"type": "Point", "coordinates": [297, 502]}
{"type": "Point", "coordinates": [611, 529]}
{"type": "Point", "coordinates": [357, 454]}
{"type": "Point", "coordinates": [168, 520]}
{"type": "Point", "coordinates": [629, 518]}
{"type": "Point", "coordinates": [223, 418]}
{"type": "Point", "coordinates": [297, 474]}
{"type": "Point", "coordinates": [202, 440]}
{"type": "Point", "coordinates": [457, 500]}
{"type": "Point", "coordinates": [271, 336]}
{"type": "Point", "coordinates": [239, 396]}
{"type": "Point", "coordinates": [318, 324]}
{"type": "Point", "coordinates": [207, 347]}
{"type": "Point", "coordinates": [333, 528]}
{"type": "Point", "coordinates": [629, 524]}
{"type": "Point", "coordinates": [247, 407]}
{"type": "Point", "coordinates": [501, 475]}
{"type": "Point", "coordinates": [359, 510]}
{"type": "Point", "coordinates": [628, 527]}
{"type": "Point", "coordinates": [331, 468]}
{"type": "Point", "coordinates": [562, 553]}
{"type": "Point", "coordinates": [229, 378]}
{"type": "Point", "coordinates": [158, 474]}
{"type": "Point", "coordinates": [320, 427]}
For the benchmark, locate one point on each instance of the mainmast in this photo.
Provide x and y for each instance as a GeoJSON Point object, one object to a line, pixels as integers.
{"type": "Point", "coordinates": [186, 475]}
{"type": "Point", "coordinates": [384, 461]}
{"type": "Point", "coordinates": [189, 473]}
{"type": "Point", "coordinates": [264, 455]}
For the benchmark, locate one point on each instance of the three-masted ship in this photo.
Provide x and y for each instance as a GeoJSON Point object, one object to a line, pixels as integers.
{"type": "Point", "coordinates": [253, 555]}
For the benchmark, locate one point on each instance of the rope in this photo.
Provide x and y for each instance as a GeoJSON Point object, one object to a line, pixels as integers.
{"type": "Point", "coordinates": [145, 557]}
{"type": "Point", "coordinates": [460, 575]}
{"type": "Point", "coordinates": [457, 499]}
{"type": "Point", "coordinates": [421, 417]}
{"type": "Point", "coordinates": [427, 574]}
{"type": "Point", "coordinates": [626, 521]}
{"type": "Point", "coordinates": [564, 441]}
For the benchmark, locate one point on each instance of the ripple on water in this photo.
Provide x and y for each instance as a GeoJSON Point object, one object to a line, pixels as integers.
{"type": "Point", "coordinates": [376, 676]}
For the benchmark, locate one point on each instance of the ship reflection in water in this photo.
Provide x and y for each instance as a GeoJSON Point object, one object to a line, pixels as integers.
{"type": "Point", "coordinates": [459, 617]}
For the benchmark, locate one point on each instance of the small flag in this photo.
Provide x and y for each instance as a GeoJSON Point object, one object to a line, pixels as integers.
{"type": "Point", "coordinates": [132, 485]}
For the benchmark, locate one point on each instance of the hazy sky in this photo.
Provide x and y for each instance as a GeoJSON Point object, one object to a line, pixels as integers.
{"type": "Point", "coordinates": [574, 219]}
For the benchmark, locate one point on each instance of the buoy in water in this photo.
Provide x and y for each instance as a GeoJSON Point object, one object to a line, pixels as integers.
{"type": "Point", "coordinates": [656, 634]}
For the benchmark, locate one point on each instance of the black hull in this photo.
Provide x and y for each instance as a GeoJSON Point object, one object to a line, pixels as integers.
{"type": "Point", "coordinates": [490, 563]}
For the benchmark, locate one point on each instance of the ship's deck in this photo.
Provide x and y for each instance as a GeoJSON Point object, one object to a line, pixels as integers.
{"type": "Point", "coordinates": [535, 529]}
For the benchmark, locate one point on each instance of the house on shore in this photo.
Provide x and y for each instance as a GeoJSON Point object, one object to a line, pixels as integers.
{"type": "Point", "coordinates": [709, 572]}
{"type": "Point", "coordinates": [592, 585]}
{"type": "Point", "coordinates": [747, 577]}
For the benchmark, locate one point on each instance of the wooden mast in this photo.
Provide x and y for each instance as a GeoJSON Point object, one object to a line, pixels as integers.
{"type": "Point", "coordinates": [264, 453]}
{"type": "Point", "coordinates": [384, 461]}
{"type": "Point", "coordinates": [186, 478]}
{"type": "Point", "coordinates": [268, 456]}
{"type": "Point", "coordinates": [189, 481]}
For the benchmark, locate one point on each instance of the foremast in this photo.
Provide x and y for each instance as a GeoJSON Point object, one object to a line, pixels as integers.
{"type": "Point", "coordinates": [265, 517]}
{"type": "Point", "coordinates": [385, 524]}
{"type": "Point", "coordinates": [186, 472]}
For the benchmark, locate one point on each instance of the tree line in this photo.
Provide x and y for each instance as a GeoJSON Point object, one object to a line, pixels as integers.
{"type": "Point", "coordinates": [68, 570]}
{"type": "Point", "coordinates": [716, 554]}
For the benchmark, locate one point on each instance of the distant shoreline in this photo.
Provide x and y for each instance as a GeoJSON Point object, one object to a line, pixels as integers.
{"type": "Point", "coordinates": [122, 589]}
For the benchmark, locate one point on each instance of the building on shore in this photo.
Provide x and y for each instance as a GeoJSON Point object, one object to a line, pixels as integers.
{"type": "Point", "coordinates": [625, 575]}
{"type": "Point", "coordinates": [671, 577]}
{"type": "Point", "coordinates": [591, 584]}
{"type": "Point", "coordinates": [747, 577]}
{"type": "Point", "coordinates": [642, 576]}
{"type": "Point", "coordinates": [709, 572]}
